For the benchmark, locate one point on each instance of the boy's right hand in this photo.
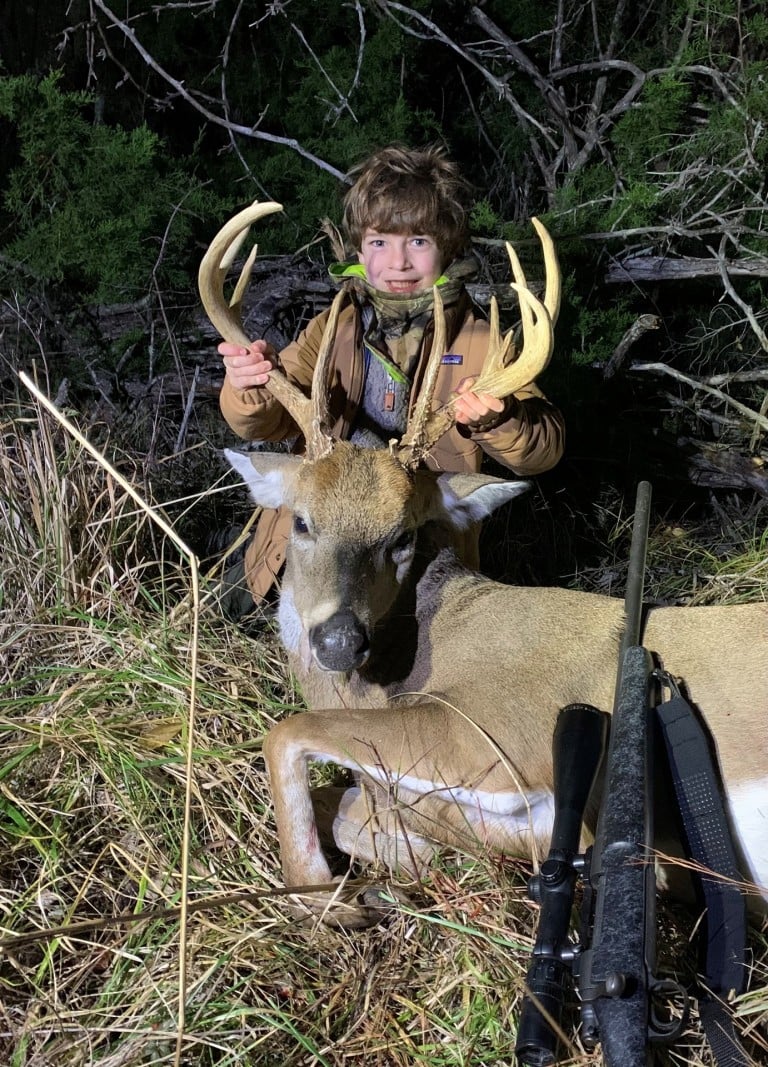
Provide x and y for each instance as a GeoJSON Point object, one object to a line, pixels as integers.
{"type": "Point", "coordinates": [248, 367]}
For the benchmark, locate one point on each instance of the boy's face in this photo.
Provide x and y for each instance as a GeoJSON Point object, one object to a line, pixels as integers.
{"type": "Point", "coordinates": [400, 262]}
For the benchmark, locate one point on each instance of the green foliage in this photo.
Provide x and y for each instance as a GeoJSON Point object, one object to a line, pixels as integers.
{"type": "Point", "coordinates": [484, 220]}
{"type": "Point", "coordinates": [584, 197]}
{"type": "Point", "coordinates": [595, 330]}
{"type": "Point", "coordinates": [637, 206]}
{"type": "Point", "coordinates": [96, 209]}
{"type": "Point", "coordinates": [646, 131]}
{"type": "Point", "coordinates": [757, 28]}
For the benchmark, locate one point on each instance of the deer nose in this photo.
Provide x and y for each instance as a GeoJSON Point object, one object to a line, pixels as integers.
{"type": "Point", "coordinates": [340, 643]}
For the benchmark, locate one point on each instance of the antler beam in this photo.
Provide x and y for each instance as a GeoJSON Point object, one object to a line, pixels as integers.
{"type": "Point", "coordinates": [309, 414]}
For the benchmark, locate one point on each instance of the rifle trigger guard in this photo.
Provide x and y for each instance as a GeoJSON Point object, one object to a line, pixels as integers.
{"type": "Point", "coordinates": [661, 1030]}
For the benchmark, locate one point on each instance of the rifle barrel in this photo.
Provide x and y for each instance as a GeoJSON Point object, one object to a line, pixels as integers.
{"type": "Point", "coordinates": [633, 598]}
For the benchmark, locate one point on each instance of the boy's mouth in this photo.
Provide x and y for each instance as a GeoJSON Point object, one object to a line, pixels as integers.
{"type": "Point", "coordinates": [403, 286]}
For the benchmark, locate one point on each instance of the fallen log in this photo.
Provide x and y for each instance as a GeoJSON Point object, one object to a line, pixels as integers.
{"type": "Point", "coordinates": [650, 269]}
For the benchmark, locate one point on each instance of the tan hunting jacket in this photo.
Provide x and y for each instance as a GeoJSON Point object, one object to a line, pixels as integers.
{"type": "Point", "coordinates": [529, 440]}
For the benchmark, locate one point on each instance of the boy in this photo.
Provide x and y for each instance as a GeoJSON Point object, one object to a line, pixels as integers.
{"type": "Point", "coordinates": [405, 219]}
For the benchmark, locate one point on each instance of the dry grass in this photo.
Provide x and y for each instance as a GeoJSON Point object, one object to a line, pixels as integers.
{"type": "Point", "coordinates": [97, 649]}
{"type": "Point", "coordinates": [721, 561]}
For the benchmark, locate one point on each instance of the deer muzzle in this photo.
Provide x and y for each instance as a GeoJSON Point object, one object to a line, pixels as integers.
{"type": "Point", "coordinates": [340, 643]}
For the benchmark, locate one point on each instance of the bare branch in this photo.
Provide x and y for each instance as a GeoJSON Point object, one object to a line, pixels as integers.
{"type": "Point", "coordinates": [218, 120]}
{"type": "Point", "coordinates": [663, 368]}
{"type": "Point", "coordinates": [638, 328]}
{"type": "Point", "coordinates": [647, 269]}
{"type": "Point", "coordinates": [550, 96]}
{"type": "Point", "coordinates": [343, 98]}
{"type": "Point", "coordinates": [749, 313]}
{"type": "Point", "coordinates": [233, 142]}
{"type": "Point", "coordinates": [498, 84]}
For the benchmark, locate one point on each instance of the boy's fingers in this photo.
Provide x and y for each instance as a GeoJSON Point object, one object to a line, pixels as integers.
{"type": "Point", "coordinates": [465, 385]}
{"type": "Point", "coordinates": [492, 403]}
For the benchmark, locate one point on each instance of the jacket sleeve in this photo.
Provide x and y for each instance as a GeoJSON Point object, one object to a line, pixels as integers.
{"type": "Point", "coordinates": [254, 414]}
{"type": "Point", "coordinates": [529, 437]}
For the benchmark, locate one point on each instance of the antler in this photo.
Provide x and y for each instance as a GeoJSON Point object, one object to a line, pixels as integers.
{"type": "Point", "coordinates": [504, 371]}
{"type": "Point", "coordinates": [309, 414]}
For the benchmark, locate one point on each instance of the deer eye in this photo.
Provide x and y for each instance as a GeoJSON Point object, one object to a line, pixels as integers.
{"type": "Point", "coordinates": [299, 525]}
{"type": "Point", "coordinates": [403, 546]}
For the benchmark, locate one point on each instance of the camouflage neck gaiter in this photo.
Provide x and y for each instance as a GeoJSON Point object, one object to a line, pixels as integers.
{"type": "Point", "coordinates": [399, 320]}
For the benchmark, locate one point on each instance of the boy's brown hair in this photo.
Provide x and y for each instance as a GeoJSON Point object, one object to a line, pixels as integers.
{"type": "Point", "coordinates": [407, 190]}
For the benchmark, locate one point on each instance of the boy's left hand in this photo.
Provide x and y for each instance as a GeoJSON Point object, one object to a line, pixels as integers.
{"type": "Point", "coordinates": [471, 408]}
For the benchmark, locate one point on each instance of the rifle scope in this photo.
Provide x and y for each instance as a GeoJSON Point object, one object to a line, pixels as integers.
{"type": "Point", "coordinates": [577, 748]}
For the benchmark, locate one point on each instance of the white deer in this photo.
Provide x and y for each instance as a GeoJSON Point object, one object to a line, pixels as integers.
{"type": "Point", "coordinates": [435, 686]}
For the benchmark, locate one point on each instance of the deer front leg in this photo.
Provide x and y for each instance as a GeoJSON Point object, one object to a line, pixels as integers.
{"type": "Point", "coordinates": [363, 823]}
{"type": "Point", "coordinates": [424, 779]}
{"type": "Point", "coordinates": [365, 831]}
{"type": "Point", "coordinates": [287, 753]}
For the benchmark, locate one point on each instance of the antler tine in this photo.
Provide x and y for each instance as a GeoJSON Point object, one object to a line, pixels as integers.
{"type": "Point", "coordinates": [226, 315]}
{"type": "Point", "coordinates": [501, 348]}
{"type": "Point", "coordinates": [501, 380]}
{"type": "Point", "coordinates": [500, 375]}
{"type": "Point", "coordinates": [498, 368]}
{"type": "Point", "coordinates": [319, 440]}
{"type": "Point", "coordinates": [413, 441]}
{"type": "Point", "coordinates": [552, 278]}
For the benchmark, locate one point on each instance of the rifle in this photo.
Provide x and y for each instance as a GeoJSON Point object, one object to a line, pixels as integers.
{"type": "Point", "coordinates": [617, 982]}
{"type": "Point", "coordinates": [613, 961]}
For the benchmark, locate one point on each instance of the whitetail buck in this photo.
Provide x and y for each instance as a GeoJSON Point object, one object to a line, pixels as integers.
{"type": "Point", "coordinates": [437, 687]}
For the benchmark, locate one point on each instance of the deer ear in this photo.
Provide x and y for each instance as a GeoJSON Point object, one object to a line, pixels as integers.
{"type": "Point", "coordinates": [269, 476]}
{"type": "Point", "coordinates": [471, 497]}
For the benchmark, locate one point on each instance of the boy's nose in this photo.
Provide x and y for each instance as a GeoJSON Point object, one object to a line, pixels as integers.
{"type": "Point", "coordinates": [400, 258]}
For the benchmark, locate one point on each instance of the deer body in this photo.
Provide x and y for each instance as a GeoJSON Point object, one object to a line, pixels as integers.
{"type": "Point", "coordinates": [446, 685]}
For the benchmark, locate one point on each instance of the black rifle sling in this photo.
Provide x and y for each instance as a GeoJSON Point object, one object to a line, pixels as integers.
{"type": "Point", "coordinates": [709, 843]}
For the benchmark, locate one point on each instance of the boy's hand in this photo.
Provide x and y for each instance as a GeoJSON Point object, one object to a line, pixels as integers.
{"type": "Point", "coordinates": [248, 367]}
{"type": "Point", "coordinates": [472, 408]}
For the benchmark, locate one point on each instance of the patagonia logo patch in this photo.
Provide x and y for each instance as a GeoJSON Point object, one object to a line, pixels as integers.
{"type": "Point", "coordinates": [452, 357]}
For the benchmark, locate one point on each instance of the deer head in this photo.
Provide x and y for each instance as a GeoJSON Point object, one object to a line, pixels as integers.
{"type": "Point", "coordinates": [348, 566]}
